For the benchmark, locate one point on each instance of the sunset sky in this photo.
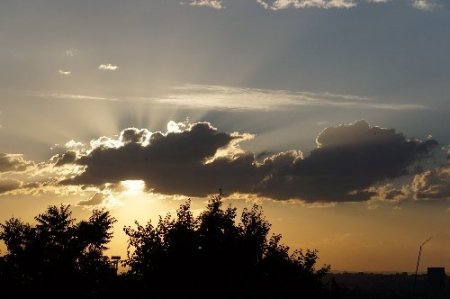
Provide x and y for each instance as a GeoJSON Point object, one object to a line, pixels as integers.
{"type": "Point", "coordinates": [331, 114]}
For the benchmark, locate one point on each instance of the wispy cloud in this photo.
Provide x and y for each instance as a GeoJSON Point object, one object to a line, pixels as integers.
{"type": "Point", "coordinates": [64, 96]}
{"type": "Point", "coordinates": [108, 67]}
{"type": "Point", "coordinates": [378, 1]}
{"type": "Point", "coordinates": [217, 97]}
{"type": "Point", "coordinates": [64, 73]}
{"type": "Point", "coordinates": [225, 97]}
{"type": "Point", "coordinates": [275, 5]}
{"type": "Point", "coordinates": [216, 4]}
{"type": "Point", "coordinates": [284, 4]}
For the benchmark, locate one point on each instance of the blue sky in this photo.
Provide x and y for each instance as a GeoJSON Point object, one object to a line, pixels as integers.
{"type": "Point", "coordinates": [387, 51]}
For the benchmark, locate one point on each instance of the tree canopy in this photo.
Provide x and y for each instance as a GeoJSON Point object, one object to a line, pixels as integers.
{"type": "Point", "coordinates": [213, 255]}
{"type": "Point", "coordinates": [57, 254]}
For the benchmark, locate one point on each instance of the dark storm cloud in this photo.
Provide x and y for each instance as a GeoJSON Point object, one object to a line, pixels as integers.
{"type": "Point", "coordinates": [13, 162]}
{"type": "Point", "coordinates": [348, 159]}
{"type": "Point", "coordinates": [172, 163]}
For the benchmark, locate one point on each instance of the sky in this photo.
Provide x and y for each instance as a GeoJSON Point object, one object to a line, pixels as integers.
{"type": "Point", "coordinates": [331, 114]}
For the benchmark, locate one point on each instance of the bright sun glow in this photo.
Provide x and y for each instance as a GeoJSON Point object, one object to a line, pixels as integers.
{"type": "Point", "coordinates": [133, 186]}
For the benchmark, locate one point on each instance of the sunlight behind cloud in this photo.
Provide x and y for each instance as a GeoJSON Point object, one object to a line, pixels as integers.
{"type": "Point", "coordinates": [132, 187]}
{"type": "Point", "coordinates": [174, 127]}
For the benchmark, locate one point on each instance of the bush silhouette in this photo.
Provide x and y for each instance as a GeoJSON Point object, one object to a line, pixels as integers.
{"type": "Point", "coordinates": [57, 256]}
{"type": "Point", "coordinates": [214, 256]}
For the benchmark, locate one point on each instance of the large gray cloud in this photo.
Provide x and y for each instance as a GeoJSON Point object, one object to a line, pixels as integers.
{"type": "Point", "coordinates": [198, 159]}
{"type": "Point", "coordinates": [348, 159]}
{"type": "Point", "coordinates": [173, 163]}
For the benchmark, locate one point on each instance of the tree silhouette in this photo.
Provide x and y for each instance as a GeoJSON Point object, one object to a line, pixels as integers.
{"type": "Point", "coordinates": [214, 256]}
{"type": "Point", "coordinates": [56, 256]}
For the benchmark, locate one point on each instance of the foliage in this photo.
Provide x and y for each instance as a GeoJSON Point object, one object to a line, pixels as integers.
{"type": "Point", "coordinates": [56, 253]}
{"type": "Point", "coordinates": [213, 255]}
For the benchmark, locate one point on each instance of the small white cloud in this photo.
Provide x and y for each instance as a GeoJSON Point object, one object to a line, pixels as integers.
{"type": "Point", "coordinates": [107, 67]}
{"type": "Point", "coordinates": [216, 4]}
{"type": "Point", "coordinates": [263, 4]}
{"type": "Point", "coordinates": [64, 73]}
{"type": "Point", "coordinates": [72, 52]}
{"type": "Point", "coordinates": [425, 5]}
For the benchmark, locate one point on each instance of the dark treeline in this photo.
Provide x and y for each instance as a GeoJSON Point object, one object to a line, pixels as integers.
{"type": "Point", "coordinates": [210, 256]}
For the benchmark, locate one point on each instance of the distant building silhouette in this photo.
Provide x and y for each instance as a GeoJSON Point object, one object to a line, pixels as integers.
{"type": "Point", "coordinates": [115, 259]}
{"type": "Point", "coordinates": [437, 282]}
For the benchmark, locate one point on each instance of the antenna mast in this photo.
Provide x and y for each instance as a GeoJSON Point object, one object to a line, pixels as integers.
{"type": "Point", "coordinates": [418, 262]}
